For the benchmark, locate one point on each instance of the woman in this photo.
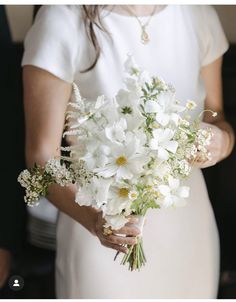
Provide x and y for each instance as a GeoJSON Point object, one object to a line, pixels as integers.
{"type": "Point", "coordinates": [88, 45]}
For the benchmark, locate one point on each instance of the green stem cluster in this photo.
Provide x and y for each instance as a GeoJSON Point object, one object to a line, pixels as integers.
{"type": "Point", "coordinates": [135, 257]}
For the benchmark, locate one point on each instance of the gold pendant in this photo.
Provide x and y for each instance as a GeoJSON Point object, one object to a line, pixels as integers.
{"type": "Point", "coordinates": [144, 36]}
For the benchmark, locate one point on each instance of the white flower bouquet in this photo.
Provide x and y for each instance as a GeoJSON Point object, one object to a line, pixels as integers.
{"type": "Point", "coordinates": [130, 153]}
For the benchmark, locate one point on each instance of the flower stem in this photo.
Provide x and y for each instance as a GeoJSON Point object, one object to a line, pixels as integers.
{"type": "Point", "coordinates": [135, 257]}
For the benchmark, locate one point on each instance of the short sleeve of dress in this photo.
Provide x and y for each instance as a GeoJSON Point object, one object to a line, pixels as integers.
{"type": "Point", "coordinates": [52, 41]}
{"type": "Point", "coordinates": [214, 42]}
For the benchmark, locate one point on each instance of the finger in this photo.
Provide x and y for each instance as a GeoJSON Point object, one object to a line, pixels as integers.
{"type": "Point", "coordinates": [100, 220]}
{"type": "Point", "coordinates": [205, 164]}
{"type": "Point", "coordinates": [116, 247]}
{"type": "Point", "coordinates": [132, 219]}
{"type": "Point", "coordinates": [128, 230]}
{"type": "Point", "coordinates": [121, 240]}
{"type": "Point", "coordinates": [99, 224]}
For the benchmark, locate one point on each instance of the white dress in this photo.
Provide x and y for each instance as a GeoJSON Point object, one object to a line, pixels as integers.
{"type": "Point", "coordinates": [181, 245]}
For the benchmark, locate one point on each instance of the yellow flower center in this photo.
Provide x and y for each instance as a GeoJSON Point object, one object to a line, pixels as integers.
{"type": "Point", "coordinates": [123, 192]}
{"type": "Point", "coordinates": [121, 161]}
{"type": "Point", "coordinates": [157, 194]}
{"type": "Point", "coordinates": [133, 195]}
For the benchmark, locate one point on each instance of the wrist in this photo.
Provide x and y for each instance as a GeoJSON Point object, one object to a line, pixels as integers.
{"type": "Point", "coordinates": [88, 218]}
{"type": "Point", "coordinates": [226, 149]}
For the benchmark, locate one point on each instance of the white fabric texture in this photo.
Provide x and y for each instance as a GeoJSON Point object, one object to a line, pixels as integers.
{"type": "Point", "coordinates": [181, 245]}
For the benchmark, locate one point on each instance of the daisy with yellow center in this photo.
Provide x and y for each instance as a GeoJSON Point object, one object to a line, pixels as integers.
{"type": "Point", "coordinates": [121, 161]}
{"type": "Point", "coordinates": [133, 195]}
{"type": "Point", "coordinates": [118, 200]}
{"type": "Point", "coordinates": [124, 161]}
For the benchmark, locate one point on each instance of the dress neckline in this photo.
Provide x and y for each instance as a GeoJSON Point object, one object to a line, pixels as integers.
{"type": "Point", "coordinates": [111, 12]}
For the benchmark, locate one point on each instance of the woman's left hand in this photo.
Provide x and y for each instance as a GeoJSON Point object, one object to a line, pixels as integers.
{"type": "Point", "coordinates": [217, 148]}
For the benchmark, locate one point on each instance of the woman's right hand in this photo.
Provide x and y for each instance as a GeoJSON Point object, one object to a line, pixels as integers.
{"type": "Point", "coordinates": [114, 240]}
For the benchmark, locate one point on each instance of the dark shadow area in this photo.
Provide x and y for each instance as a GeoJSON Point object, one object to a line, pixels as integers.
{"type": "Point", "coordinates": [221, 183]}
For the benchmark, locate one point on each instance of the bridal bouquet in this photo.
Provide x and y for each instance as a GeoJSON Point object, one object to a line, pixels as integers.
{"type": "Point", "coordinates": [130, 153]}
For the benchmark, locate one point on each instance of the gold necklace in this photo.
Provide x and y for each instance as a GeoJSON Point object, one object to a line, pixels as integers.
{"type": "Point", "coordinates": [144, 35]}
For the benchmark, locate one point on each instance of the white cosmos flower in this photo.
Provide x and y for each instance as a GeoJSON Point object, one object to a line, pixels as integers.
{"type": "Point", "coordinates": [165, 108]}
{"type": "Point", "coordinates": [118, 201]}
{"type": "Point", "coordinates": [109, 111]}
{"type": "Point", "coordinates": [133, 116]}
{"type": "Point", "coordinates": [170, 108]}
{"type": "Point", "coordinates": [94, 194]}
{"type": "Point", "coordinates": [124, 161]}
{"type": "Point", "coordinates": [144, 77]}
{"type": "Point", "coordinates": [116, 132]}
{"type": "Point", "coordinates": [161, 168]}
{"type": "Point", "coordinates": [152, 107]}
{"type": "Point", "coordinates": [134, 120]}
{"type": "Point", "coordinates": [133, 85]}
{"type": "Point", "coordinates": [116, 222]}
{"type": "Point", "coordinates": [95, 155]}
{"type": "Point", "coordinates": [173, 194]}
{"type": "Point", "coordinates": [127, 98]}
{"type": "Point", "coordinates": [162, 143]}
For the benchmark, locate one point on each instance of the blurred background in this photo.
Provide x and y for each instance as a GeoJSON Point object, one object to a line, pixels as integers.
{"type": "Point", "coordinates": [27, 236]}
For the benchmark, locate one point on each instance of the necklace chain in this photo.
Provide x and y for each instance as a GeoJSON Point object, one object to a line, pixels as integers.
{"type": "Point", "coordinates": [144, 35]}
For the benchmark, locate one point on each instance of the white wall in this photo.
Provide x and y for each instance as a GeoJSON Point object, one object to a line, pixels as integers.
{"type": "Point", "coordinates": [20, 18]}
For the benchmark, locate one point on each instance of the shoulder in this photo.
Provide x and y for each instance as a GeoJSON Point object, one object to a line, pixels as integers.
{"type": "Point", "coordinates": [59, 15]}
{"type": "Point", "coordinates": [200, 15]}
{"type": "Point", "coordinates": [198, 11]}
{"type": "Point", "coordinates": [53, 42]}
{"type": "Point", "coordinates": [206, 26]}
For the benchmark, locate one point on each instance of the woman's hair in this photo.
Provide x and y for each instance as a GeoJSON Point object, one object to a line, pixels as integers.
{"type": "Point", "coordinates": [91, 15]}
{"type": "Point", "coordinates": [91, 18]}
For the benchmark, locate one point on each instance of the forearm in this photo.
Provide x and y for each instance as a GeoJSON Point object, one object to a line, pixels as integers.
{"type": "Point", "coordinates": [229, 137]}
{"type": "Point", "coordinates": [64, 199]}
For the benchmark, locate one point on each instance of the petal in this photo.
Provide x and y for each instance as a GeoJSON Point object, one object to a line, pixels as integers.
{"type": "Point", "coordinates": [100, 101]}
{"type": "Point", "coordinates": [107, 171]}
{"type": "Point", "coordinates": [124, 173]}
{"type": "Point", "coordinates": [167, 134]}
{"type": "Point", "coordinates": [153, 144]}
{"type": "Point", "coordinates": [84, 197]}
{"type": "Point", "coordinates": [102, 161]}
{"type": "Point", "coordinates": [175, 118]}
{"type": "Point", "coordinates": [162, 153]}
{"type": "Point", "coordinates": [131, 147]}
{"type": "Point", "coordinates": [164, 190]}
{"type": "Point", "coordinates": [173, 183]}
{"type": "Point", "coordinates": [170, 146]}
{"type": "Point", "coordinates": [116, 222]}
{"type": "Point", "coordinates": [162, 118]}
{"type": "Point", "coordinates": [183, 192]}
{"type": "Point", "coordinates": [151, 107]}
{"type": "Point", "coordinates": [168, 201]}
